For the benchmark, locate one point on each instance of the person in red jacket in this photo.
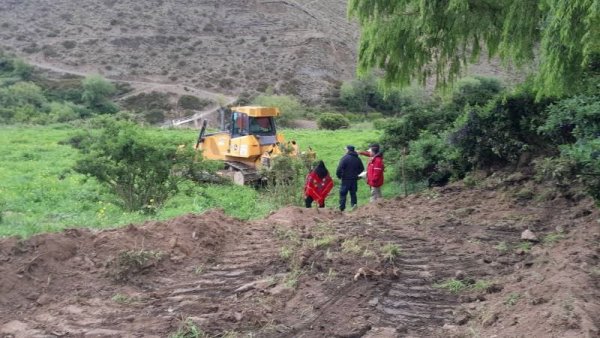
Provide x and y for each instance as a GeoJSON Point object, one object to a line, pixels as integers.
{"type": "Point", "coordinates": [375, 170]}
{"type": "Point", "coordinates": [318, 185]}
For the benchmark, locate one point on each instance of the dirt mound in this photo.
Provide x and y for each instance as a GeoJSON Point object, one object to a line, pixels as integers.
{"type": "Point", "coordinates": [300, 218]}
{"type": "Point", "coordinates": [447, 262]}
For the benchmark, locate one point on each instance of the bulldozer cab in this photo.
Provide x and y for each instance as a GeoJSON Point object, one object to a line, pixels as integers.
{"type": "Point", "coordinates": [255, 121]}
{"type": "Point", "coordinates": [242, 125]}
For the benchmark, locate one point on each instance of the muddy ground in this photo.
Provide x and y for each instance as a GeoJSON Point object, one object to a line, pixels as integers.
{"type": "Point", "coordinates": [378, 271]}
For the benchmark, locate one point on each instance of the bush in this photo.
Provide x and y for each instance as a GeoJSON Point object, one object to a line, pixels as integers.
{"type": "Point", "coordinates": [365, 94]}
{"type": "Point", "coordinates": [572, 119]}
{"type": "Point", "coordinates": [586, 156]}
{"type": "Point", "coordinates": [431, 158]}
{"type": "Point", "coordinates": [96, 94]}
{"type": "Point", "coordinates": [63, 112]}
{"type": "Point", "coordinates": [147, 101]}
{"type": "Point", "coordinates": [475, 91]}
{"type": "Point", "coordinates": [154, 116]}
{"type": "Point", "coordinates": [332, 121]}
{"type": "Point", "coordinates": [14, 67]}
{"type": "Point", "coordinates": [381, 124]}
{"type": "Point", "coordinates": [22, 93]}
{"type": "Point", "coordinates": [399, 132]}
{"type": "Point", "coordinates": [192, 102]}
{"type": "Point", "coordinates": [135, 167]}
{"type": "Point", "coordinates": [501, 131]}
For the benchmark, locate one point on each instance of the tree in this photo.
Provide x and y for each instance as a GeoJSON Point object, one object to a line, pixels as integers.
{"type": "Point", "coordinates": [96, 93]}
{"type": "Point", "coordinates": [133, 165]}
{"type": "Point", "coordinates": [415, 39]}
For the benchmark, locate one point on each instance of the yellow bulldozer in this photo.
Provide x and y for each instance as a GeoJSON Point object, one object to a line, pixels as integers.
{"type": "Point", "coordinates": [246, 145]}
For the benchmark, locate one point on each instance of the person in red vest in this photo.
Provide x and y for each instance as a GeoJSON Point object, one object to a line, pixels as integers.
{"type": "Point", "coordinates": [375, 170]}
{"type": "Point", "coordinates": [318, 185]}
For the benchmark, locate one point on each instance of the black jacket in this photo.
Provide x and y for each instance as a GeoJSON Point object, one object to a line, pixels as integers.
{"type": "Point", "coordinates": [350, 167]}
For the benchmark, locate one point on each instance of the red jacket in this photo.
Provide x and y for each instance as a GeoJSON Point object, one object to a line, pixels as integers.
{"type": "Point", "coordinates": [318, 188]}
{"type": "Point", "coordinates": [375, 169]}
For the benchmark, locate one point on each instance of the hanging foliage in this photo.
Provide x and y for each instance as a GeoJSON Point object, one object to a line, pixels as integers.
{"type": "Point", "coordinates": [416, 39]}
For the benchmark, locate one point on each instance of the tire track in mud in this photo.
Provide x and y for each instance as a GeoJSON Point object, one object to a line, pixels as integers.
{"type": "Point", "coordinates": [245, 260]}
{"type": "Point", "coordinates": [412, 302]}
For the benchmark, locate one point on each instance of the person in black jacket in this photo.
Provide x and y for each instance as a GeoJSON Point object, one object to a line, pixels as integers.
{"type": "Point", "coordinates": [349, 168]}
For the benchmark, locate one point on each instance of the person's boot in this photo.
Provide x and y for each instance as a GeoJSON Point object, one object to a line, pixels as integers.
{"type": "Point", "coordinates": [354, 206]}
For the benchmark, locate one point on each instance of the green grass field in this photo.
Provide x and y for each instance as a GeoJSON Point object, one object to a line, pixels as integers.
{"type": "Point", "coordinates": [40, 193]}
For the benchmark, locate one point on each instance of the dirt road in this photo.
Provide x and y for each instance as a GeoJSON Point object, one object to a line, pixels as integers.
{"type": "Point", "coordinates": [148, 86]}
{"type": "Point", "coordinates": [379, 271]}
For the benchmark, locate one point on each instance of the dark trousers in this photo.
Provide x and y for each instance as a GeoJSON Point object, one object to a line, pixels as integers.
{"type": "Point", "coordinates": [348, 186]}
{"type": "Point", "coordinates": [308, 202]}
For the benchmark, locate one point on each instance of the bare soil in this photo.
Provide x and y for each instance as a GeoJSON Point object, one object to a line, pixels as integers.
{"type": "Point", "coordinates": [321, 273]}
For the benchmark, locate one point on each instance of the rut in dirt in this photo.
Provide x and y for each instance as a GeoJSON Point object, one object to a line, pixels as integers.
{"type": "Point", "coordinates": [410, 302]}
{"type": "Point", "coordinates": [211, 294]}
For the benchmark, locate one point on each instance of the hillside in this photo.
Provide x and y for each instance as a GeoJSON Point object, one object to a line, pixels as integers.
{"type": "Point", "coordinates": [449, 262]}
{"type": "Point", "coordinates": [303, 48]}
{"type": "Point", "coordinates": [235, 46]}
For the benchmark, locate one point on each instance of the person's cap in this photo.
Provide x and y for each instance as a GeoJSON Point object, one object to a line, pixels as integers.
{"type": "Point", "coordinates": [350, 148]}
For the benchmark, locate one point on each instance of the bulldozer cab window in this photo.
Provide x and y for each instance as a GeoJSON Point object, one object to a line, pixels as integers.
{"type": "Point", "coordinates": [239, 124]}
{"type": "Point", "coordinates": [262, 126]}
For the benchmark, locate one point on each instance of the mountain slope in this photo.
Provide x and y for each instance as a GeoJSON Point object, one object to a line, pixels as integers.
{"type": "Point", "coordinates": [295, 47]}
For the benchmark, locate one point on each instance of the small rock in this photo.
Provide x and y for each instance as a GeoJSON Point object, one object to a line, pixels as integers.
{"type": "Point", "coordinates": [528, 235]}
{"type": "Point", "coordinates": [463, 212]}
{"type": "Point", "coordinates": [491, 319]}
{"type": "Point", "coordinates": [281, 290]}
{"type": "Point", "coordinates": [373, 302]}
{"type": "Point", "coordinates": [538, 300]}
{"type": "Point", "coordinates": [238, 316]}
{"type": "Point", "coordinates": [494, 288]}
{"type": "Point", "coordinates": [173, 243]}
{"type": "Point", "coordinates": [450, 327]}
{"type": "Point", "coordinates": [462, 317]}
{"type": "Point", "coordinates": [44, 300]}
{"type": "Point", "coordinates": [381, 332]}
{"type": "Point", "coordinates": [460, 275]}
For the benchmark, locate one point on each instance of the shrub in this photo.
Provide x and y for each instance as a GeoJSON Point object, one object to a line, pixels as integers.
{"type": "Point", "coordinates": [147, 102]}
{"type": "Point", "coordinates": [501, 131]}
{"type": "Point", "coordinates": [63, 112]}
{"type": "Point", "coordinates": [585, 155]}
{"type": "Point", "coordinates": [332, 121]}
{"type": "Point", "coordinates": [284, 180]}
{"type": "Point", "coordinates": [572, 119]}
{"type": "Point", "coordinates": [475, 91]}
{"type": "Point", "coordinates": [14, 67]}
{"type": "Point", "coordinates": [192, 102]}
{"type": "Point", "coordinates": [431, 158]}
{"type": "Point", "coordinates": [399, 132]}
{"type": "Point", "coordinates": [135, 167]}
{"type": "Point", "coordinates": [365, 94]}
{"type": "Point", "coordinates": [154, 116]}
{"type": "Point", "coordinates": [96, 94]}
{"type": "Point", "coordinates": [22, 93]}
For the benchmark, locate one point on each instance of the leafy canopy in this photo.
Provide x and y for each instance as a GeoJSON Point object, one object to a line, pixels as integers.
{"type": "Point", "coordinates": [416, 39]}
